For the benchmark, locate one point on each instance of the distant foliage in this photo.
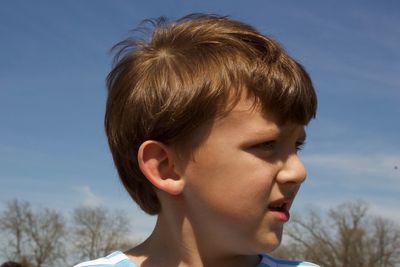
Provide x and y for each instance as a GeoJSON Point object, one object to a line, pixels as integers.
{"type": "Point", "coordinates": [346, 237]}
{"type": "Point", "coordinates": [34, 238]}
{"type": "Point", "coordinates": [97, 232]}
{"type": "Point", "coordinates": [42, 238]}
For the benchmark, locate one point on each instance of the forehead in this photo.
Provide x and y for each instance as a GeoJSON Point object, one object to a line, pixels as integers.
{"type": "Point", "coordinates": [248, 118]}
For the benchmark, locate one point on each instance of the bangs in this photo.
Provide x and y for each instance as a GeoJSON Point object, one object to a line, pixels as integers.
{"type": "Point", "coordinates": [285, 89]}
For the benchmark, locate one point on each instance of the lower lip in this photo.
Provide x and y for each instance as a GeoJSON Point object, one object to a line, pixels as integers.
{"type": "Point", "coordinates": [283, 216]}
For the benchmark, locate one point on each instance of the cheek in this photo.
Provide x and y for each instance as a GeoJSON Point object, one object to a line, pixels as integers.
{"type": "Point", "coordinates": [232, 186]}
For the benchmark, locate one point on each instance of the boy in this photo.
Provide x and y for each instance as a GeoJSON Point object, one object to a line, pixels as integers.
{"type": "Point", "coordinates": [204, 122]}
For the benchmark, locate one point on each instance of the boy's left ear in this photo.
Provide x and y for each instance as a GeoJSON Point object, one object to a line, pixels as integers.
{"type": "Point", "coordinates": [157, 162]}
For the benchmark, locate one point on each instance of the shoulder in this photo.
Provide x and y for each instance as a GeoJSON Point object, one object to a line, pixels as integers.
{"type": "Point", "coordinates": [268, 261]}
{"type": "Point", "coordinates": [115, 259]}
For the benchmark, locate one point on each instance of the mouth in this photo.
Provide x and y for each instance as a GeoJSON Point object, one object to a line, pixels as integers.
{"type": "Point", "coordinates": [280, 210]}
{"type": "Point", "coordinates": [278, 207]}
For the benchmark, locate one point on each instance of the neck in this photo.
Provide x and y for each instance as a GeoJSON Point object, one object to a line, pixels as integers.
{"type": "Point", "coordinates": [174, 243]}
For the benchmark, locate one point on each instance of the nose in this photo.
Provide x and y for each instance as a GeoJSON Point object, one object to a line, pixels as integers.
{"type": "Point", "coordinates": [293, 171]}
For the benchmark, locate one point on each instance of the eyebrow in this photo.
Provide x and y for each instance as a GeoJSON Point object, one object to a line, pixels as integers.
{"type": "Point", "coordinates": [272, 131]}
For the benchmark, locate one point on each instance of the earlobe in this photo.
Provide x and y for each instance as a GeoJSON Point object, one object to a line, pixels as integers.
{"type": "Point", "coordinates": [156, 161]}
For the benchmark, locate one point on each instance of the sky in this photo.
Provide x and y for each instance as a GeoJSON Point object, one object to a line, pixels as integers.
{"type": "Point", "coordinates": [55, 55]}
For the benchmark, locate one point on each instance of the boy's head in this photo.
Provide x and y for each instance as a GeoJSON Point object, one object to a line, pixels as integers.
{"type": "Point", "coordinates": [191, 72]}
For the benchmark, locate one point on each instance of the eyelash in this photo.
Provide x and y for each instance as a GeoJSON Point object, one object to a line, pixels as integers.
{"type": "Point", "coordinates": [270, 145]}
{"type": "Point", "coordinates": [300, 145]}
{"type": "Point", "coordinates": [266, 145]}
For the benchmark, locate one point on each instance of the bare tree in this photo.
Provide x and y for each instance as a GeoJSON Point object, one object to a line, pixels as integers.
{"type": "Point", "coordinates": [97, 232]}
{"type": "Point", "coordinates": [12, 225]}
{"type": "Point", "coordinates": [35, 238]}
{"type": "Point", "coordinates": [346, 237]}
{"type": "Point", "coordinates": [46, 232]}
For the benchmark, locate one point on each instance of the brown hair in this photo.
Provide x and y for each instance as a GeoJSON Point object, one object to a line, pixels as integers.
{"type": "Point", "coordinates": [189, 72]}
{"type": "Point", "coordinates": [11, 264]}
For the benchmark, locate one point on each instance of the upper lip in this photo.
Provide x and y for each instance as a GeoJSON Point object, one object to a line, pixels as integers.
{"type": "Point", "coordinates": [280, 203]}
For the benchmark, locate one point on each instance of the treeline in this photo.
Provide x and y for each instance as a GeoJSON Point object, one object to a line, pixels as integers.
{"type": "Point", "coordinates": [46, 238]}
{"type": "Point", "coordinates": [345, 236]}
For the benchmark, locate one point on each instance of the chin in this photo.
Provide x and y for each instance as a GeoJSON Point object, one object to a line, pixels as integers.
{"type": "Point", "coordinates": [273, 248]}
{"type": "Point", "coordinates": [271, 241]}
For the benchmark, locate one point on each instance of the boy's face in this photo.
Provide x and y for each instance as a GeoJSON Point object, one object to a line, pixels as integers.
{"type": "Point", "coordinates": [242, 181]}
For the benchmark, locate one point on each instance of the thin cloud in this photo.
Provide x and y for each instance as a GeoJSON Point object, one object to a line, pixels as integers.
{"type": "Point", "coordinates": [358, 165]}
{"type": "Point", "coordinates": [89, 198]}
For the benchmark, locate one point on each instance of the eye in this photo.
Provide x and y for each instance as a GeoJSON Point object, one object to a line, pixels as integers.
{"type": "Point", "coordinates": [268, 145]}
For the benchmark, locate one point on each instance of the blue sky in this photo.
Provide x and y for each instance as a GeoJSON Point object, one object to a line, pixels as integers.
{"type": "Point", "coordinates": [54, 56]}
